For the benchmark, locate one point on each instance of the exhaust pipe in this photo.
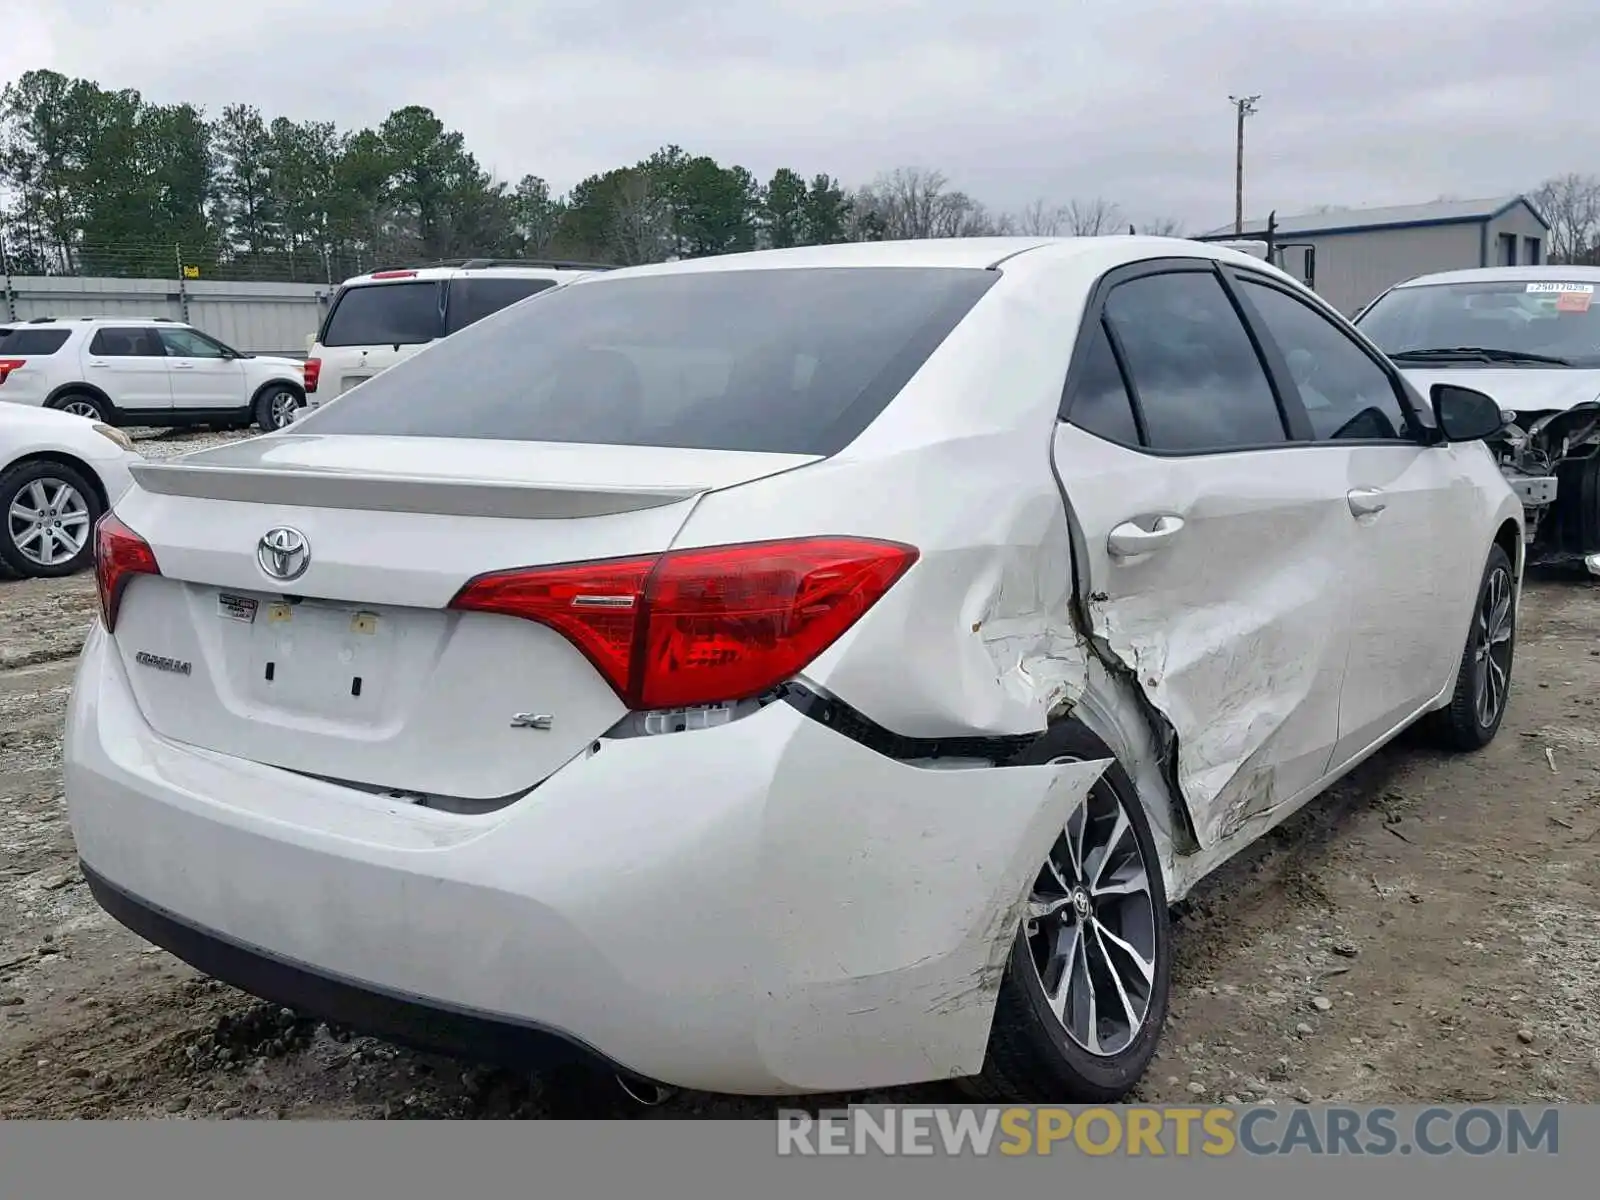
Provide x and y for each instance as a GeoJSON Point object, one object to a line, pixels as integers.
{"type": "Point", "coordinates": [648, 1094]}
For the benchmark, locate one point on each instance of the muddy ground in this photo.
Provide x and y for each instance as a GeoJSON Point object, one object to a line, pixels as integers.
{"type": "Point", "coordinates": [1427, 932]}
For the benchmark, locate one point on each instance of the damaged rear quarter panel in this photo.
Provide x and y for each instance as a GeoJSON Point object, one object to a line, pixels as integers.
{"type": "Point", "coordinates": [891, 901]}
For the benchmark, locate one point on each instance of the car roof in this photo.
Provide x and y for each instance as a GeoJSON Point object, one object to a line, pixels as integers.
{"type": "Point", "coordinates": [977, 253]}
{"type": "Point", "coordinates": [469, 268]}
{"type": "Point", "coordinates": [1506, 275]}
{"type": "Point", "coordinates": [92, 322]}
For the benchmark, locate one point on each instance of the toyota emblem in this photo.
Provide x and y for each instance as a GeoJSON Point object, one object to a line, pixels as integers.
{"type": "Point", "coordinates": [284, 553]}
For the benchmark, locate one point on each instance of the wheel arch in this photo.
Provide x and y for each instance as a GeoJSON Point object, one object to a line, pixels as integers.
{"type": "Point", "coordinates": [64, 459]}
{"type": "Point", "coordinates": [83, 387]}
{"type": "Point", "coordinates": [274, 382]}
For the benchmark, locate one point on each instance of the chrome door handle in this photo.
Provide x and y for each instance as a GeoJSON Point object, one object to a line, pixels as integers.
{"type": "Point", "coordinates": [1131, 539]}
{"type": "Point", "coordinates": [97, 363]}
{"type": "Point", "coordinates": [1366, 502]}
{"type": "Point", "coordinates": [182, 366]}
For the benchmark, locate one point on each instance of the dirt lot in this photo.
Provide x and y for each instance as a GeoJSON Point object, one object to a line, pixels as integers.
{"type": "Point", "coordinates": [1427, 932]}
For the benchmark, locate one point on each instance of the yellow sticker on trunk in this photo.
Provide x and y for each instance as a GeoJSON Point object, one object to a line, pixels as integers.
{"type": "Point", "coordinates": [279, 611]}
{"type": "Point", "coordinates": [364, 622]}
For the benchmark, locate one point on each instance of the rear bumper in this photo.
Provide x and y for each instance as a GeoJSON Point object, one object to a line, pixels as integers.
{"type": "Point", "coordinates": [405, 1020]}
{"type": "Point", "coordinates": [766, 908]}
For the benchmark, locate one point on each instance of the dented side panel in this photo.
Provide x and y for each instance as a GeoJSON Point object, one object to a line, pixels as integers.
{"type": "Point", "coordinates": [1237, 629]}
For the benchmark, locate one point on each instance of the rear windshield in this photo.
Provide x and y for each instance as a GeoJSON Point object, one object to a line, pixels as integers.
{"type": "Point", "coordinates": [473, 299]}
{"type": "Point", "coordinates": [25, 342]}
{"type": "Point", "coordinates": [386, 314]}
{"type": "Point", "coordinates": [785, 361]}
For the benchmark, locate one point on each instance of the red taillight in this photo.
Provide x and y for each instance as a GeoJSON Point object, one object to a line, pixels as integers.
{"type": "Point", "coordinates": [313, 373]}
{"type": "Point", "coordinates": [393, 275]}
{"type": "Point", "coordinates": [119, 554]}
{"type": "Point", "coordinates": [8, 365]}
{"type": "Point", "coordinates": [701, 626]}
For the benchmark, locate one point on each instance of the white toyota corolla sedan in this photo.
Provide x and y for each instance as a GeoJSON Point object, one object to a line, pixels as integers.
{"type": "Point", "coordinates": [796, 671]}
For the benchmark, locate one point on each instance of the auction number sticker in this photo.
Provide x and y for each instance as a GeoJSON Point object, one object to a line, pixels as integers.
{"type": "Point", "coordinates": [1586, 289]}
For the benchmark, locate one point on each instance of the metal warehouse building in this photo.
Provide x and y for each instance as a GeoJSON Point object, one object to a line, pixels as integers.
{"type": "Point", "coordinates": [1362, 251]}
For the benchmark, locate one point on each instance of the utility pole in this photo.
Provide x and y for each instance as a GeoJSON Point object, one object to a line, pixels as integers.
{"type": "Point", "coordinates": [1244, 106]}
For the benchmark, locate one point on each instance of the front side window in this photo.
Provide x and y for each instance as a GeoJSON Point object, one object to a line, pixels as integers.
{"type": "Point", "coordinates": [1199, 383]}
{"type": "Point", "coordinates": [1548, 322]}
{"type": "Point", "coordinates": [186, 343]}
{"type": "Point", "coordinates": [1346, 394]}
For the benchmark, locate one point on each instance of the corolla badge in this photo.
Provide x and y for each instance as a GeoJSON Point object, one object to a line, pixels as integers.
{"type": "Point", "coordinates": [283, 553]}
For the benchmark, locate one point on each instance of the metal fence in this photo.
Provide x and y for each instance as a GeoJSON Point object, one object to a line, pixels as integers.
{"type": "Point", "coordinates": [256, 317]}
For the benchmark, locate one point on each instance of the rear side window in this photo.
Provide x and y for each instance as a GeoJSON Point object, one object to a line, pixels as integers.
{"type": "Point", "coordinates": [386, 314]}
{"type": "Point", "coordinates": [1098, 400]}
{"type": "Point", "coordinates": [1199, 383]}
{"type": "Point", "coordinates": [795, 361]}
{"type": "Point", "coordinates": [126, 343]}
{"type": "Point", "coordinates": [474, 299]}
{"type": "Point", "coordinates": [25, 343]}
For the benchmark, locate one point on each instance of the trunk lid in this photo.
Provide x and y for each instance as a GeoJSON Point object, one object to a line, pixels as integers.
{"type": "Point", "coordinates": [355, 669]}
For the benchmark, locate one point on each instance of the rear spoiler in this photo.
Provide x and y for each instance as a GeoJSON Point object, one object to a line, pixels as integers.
{"type": "Point", "coordinates": [367, 492]}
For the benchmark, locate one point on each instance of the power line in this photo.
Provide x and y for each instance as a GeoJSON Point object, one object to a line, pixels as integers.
{"type": "Point", "coordinates": [1244, 106]}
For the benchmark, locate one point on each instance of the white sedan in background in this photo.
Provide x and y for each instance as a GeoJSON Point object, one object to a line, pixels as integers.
{"type": "Point", "coordinates": [788, 672]}
{"type": "Point", "coordinates": [58, 473]}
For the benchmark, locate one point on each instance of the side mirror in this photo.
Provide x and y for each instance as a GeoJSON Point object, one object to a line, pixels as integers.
{"type": "Point", "coordinates": [1465, 415]}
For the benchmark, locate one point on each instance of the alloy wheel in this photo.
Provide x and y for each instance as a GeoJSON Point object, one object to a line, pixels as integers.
{"type": "Point", "coordinates": [48, 522]}
{"type": "Point", "coordinates": [1091, 926]}
{"type": "Point", "coordinates": [283, 405]}
{"type": "Point", "coordinates": [1491, 648]}
{"type": "Point", "coordinates": [81, 408]}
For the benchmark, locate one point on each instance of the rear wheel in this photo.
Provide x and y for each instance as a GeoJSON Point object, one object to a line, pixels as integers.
{"type": "Point", "coordinates": [1084, 997]}
{"type": "Point", "coordinates": [1483, 683]}
{"type": "Point", "coordinates": [47, 516]}
{"type": "Point", "coordinates": [82, 404]}
{"type": "Point", "coordinates": [274, 408]}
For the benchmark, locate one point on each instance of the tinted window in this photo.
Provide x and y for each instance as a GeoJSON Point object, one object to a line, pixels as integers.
{"type": "Point", "coordinates": [186, 343]}
{"type": "Point", "coordinates": [24, 342]}
{"type": "Point", "coordinates": [1552, 316]}
{"type": "Point", "coordinates": [386, 314]}
{"type": "Point", "coordinates": [1098, 397]}
{"type": "Point", "coordinates": [474, 299]}
{"type": "Point", "coordinates": [790, 361]}
{"type": "Point", "coordinates": [1199, 382]}
{"type": "Point", "coordinates": [1345, 393]}
{"type": "Point", "coordinates": [126, 343]}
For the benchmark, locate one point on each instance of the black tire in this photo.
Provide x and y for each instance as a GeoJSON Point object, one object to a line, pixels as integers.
{"type": "Point", "coordinates": [102, 410]}
{"type": "Point", "coordinates": [12, 483]}
{"type": "Point", "coordinates": [1031, 1058]}
{"type": "Point", "coordinates": [1461, 726]}
{"type": "Point", "coordinates": [268, 404]}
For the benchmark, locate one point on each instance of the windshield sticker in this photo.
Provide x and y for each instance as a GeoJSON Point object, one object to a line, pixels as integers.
{"type": "Point", "coordinates": [1564, 289]}
{"type": "Point", "coordinates": [1573, 302]}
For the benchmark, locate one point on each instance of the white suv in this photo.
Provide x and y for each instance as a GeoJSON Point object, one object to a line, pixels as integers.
{"type": "Point", "coordinates": [155, 371]}
{"type": "Point", "coordinates": [383, 318]}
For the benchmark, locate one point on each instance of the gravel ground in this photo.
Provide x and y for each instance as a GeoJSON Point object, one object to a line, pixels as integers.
{"type": "Point", "coordinates": [1427, 932]}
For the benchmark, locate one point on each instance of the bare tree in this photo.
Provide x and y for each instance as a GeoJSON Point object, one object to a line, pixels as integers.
{"type": "Point", "coordinates": [1571, 203]}
{"type": "Point", "coordinates": [1041, 219]}
{"type": "Point", "coordinates": [1162, 227]}
{"type": "Point", "coordinates": [1091, 218]}
{"type": "Point", "coordinates": [640, 223]}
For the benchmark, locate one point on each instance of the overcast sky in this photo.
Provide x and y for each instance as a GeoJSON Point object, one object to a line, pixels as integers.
{"type": "Point", "coordinates": [1362, 102]}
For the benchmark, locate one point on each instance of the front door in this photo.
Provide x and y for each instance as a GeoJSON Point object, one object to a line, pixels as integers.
{"type": "Point", "coordinates": [205, 374]}
{"type": "Point", "coordinates": [1405, 503]}
{"type": "Point", "coordinates": [1214, 545]}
